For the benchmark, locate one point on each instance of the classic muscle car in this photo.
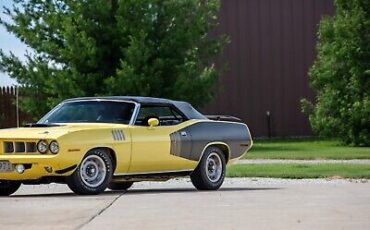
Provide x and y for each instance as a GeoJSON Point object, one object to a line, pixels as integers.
{"type": "Point", "coordinates": [111, 142]}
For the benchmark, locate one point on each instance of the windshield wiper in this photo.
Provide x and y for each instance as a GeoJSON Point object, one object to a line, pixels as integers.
{"type": "Point", "coordinates": [41, 125]}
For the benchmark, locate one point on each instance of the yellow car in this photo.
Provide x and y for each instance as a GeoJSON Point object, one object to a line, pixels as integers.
{"type": "Point", "coordinates": [94, 143]}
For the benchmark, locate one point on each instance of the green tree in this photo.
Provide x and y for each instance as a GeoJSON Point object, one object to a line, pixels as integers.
{"type": "Point", "coordinates": [341, 73]}
{"type": "Point", "coordinates": [80, 48]}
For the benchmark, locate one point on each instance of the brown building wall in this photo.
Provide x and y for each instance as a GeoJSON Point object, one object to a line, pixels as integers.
{"type": "Point", "coordinates": [272, 47]}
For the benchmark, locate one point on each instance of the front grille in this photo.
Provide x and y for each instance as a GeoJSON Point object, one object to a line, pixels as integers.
{"type": "Point", "coordinates": [31, 147]}
{"type": "Point", "coordinates": [8, 147]}
{"type": "Point", "coordinates": [19, 147]}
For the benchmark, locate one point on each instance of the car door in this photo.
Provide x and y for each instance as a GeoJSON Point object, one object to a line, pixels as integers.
{"type": "Point", "coordinates": [151, 145]}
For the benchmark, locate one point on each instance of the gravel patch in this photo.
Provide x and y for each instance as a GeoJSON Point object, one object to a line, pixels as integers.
{"type": "Point", "coordinates": [253, 181]}
{"type": "Point", "coordinates": [278, 161]}
{"type": "Point", "coordinates": [186, 184]}
{"type": "Point", "coordinates": [273, 181]}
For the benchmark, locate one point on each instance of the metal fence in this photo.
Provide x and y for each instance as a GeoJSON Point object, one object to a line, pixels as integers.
{"type": "Point", "coordinates": [10, 116]}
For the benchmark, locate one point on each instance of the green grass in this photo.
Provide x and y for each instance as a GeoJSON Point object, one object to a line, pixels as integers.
{"type": "Point", "coordinates": [305, 149]}
{"type": "Point", "coordinates": [299, 171]}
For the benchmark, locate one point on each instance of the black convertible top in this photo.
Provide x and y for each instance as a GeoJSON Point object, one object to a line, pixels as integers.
{"type": "Point", "coordinates": [183, 106]}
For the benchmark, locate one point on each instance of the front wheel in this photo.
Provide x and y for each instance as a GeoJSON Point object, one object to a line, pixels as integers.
{"type": "Point", "coordinates": [210, 173]}
{"type": "Point", "coordinates": [93, 174]}
{"type": "Point", "coordinates": [7, 188]}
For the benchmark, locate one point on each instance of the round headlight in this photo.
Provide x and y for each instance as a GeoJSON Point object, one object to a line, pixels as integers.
{"type": "Point", "coordinates": [42, 146]}
{"type": "Point", "coordinates": [54, 147]}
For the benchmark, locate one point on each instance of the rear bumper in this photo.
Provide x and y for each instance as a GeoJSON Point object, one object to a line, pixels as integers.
{"type": "Point", "coordinates": [38, 166]}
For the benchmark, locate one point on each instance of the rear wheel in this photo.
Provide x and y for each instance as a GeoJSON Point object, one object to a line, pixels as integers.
{"type": "Point", "coordinates": [120, 185]}
{"type": "Point", "coordinates": [93, 174]}
{"type": "Point", "coordinates": [210, 173]}
{"type": "Point", "coordinates": [7, 188]}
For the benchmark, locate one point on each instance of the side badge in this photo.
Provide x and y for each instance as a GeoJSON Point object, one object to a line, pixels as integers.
{"type": "Point", "coordinates": [118, 135]}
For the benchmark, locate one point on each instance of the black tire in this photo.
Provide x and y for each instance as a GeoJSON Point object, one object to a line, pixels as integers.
{"type": "Point", "coordinates": [7, 188]}
{"type": "Point", "coordinates": [120, 185]}
{"type": "Point", "coordinates": [200, 178]}
{"type": "Point", "coordinates": [80, 184]}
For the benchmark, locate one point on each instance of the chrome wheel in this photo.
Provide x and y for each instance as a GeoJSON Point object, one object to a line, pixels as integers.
{"type": "Point", "coordinates": [214, 167]}
{"type": "Point", "coordinates": [93, 171]}
{"type": "Point", "coordinates": [210, 172]}
{"type": "Point", "coordinates": [93, 174]}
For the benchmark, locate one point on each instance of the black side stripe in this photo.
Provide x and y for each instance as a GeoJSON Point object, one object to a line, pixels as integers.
{"type": "Point", "coordinates": [190, 146]}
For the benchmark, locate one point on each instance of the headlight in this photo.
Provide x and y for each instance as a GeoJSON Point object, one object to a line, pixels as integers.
{"type": "Point", "coordinates": [42, 146]}
{"type": "Point", "coordinates": [54, 147]}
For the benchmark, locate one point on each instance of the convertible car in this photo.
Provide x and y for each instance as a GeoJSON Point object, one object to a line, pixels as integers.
{"type": "Point", "coordinates": [111, 142]}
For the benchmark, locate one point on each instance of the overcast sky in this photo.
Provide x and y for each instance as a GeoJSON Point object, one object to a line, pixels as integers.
{"type": "Point", "coordinates": [9, 42]}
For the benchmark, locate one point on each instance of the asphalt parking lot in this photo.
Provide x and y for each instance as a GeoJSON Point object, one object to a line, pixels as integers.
{"type": "Point", "coordinates": [240, 204]}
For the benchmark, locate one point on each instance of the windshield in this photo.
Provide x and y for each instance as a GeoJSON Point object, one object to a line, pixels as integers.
{"type": "Point", "coordinates": [90, 112]}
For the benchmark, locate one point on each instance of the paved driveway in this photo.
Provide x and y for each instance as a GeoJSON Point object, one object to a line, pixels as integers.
{"type": "Point", "coordinates": [240, 204]}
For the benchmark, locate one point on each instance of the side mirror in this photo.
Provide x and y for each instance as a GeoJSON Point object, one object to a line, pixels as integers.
{"type": "Point", "coordinates": [153, 122]}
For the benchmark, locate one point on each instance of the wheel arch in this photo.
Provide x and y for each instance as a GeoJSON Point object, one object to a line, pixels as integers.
{"type": "Point", "coordinates": [220, 145]}
{"type": "Point", "coordinates": [111, 153]}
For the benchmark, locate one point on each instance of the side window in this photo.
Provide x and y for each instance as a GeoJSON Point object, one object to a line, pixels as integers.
{"type": "Point", "coordinates": [165, 114]}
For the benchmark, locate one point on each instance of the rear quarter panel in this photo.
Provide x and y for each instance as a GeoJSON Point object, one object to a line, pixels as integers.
{"type": "Point", "coordinates": [191, 141]}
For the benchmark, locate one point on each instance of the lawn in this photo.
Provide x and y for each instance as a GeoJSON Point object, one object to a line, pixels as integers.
{"type": "Point", "coordinates": [305, 149]}
{"type": "Point", "coordinates": [299, 171]}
